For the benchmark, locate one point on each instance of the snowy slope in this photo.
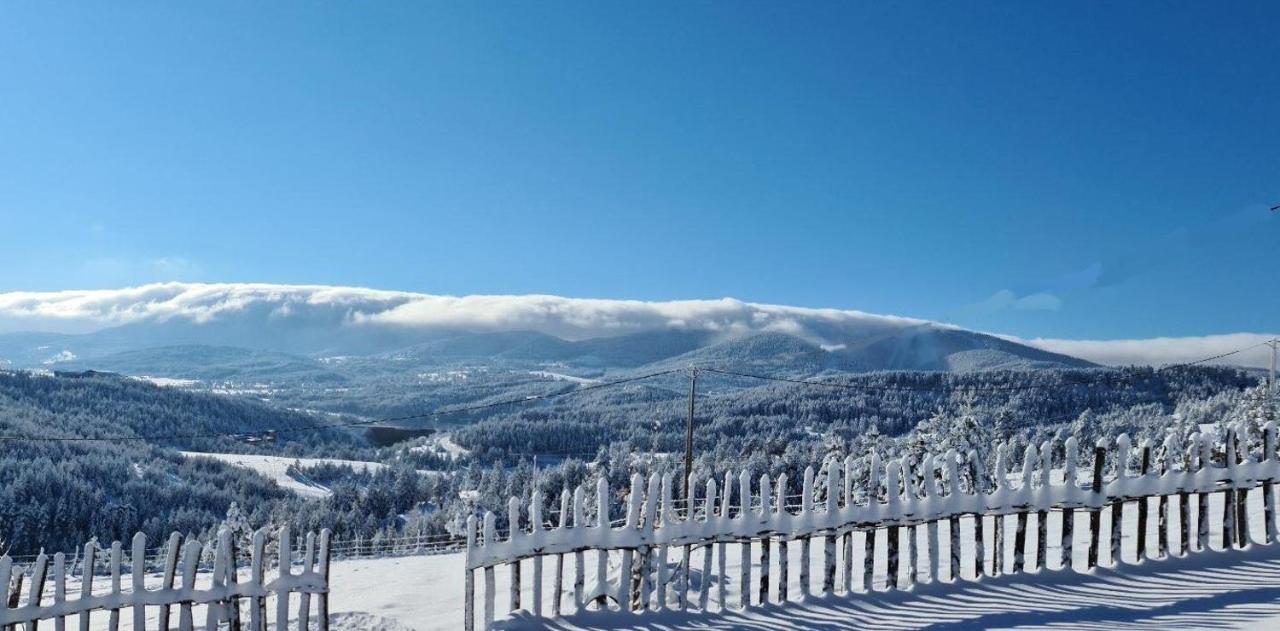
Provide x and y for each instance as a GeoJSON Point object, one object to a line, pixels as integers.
{"type": "Point", "coordinates": [276, 468]}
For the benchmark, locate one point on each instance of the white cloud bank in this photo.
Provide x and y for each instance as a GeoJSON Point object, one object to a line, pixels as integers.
{"type": "Point", "coordinates": [573, 318]}
{"type": "Point", "coordinates": [1163, 350]}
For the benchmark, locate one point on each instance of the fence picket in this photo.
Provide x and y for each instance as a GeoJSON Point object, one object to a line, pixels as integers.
{"type": "Point", "coordinates": [559, 580]}
{"type": "Point", "coordinates": [60, 589]}
{"type": "Point", "coordinates": [1067, 538]}
{"type": "Point", "coordinates": [1268, 485]}
{"type": "Point", "coordinates": [721, 548]}
{"type": "Point", "coordinates": [190, 563]}
{"type": "Point", "coordinates": [784, 543]}
{"type": "Point", "coordinates": [113, 622]}
{"type": "Point", "coordinates": [535, 525]}
{"type": "Point", "coordinates": [829, 547]}
{"type": "Point", "coordinates": [579, 567]}
{"type": "Point", "coordinates": [1144, 505]}
{"type": "Point", "coordinates": [708, 511]}
{"type": "Point", "coordinates": [744, 514]}
{"type": "Point", "coordinates": [765, 516]}
{"type": "Point", "coordinates": [490, 582]}
{"type": "Point", "coordinates": [806, 511]}
{"type": "Point", "coordinates": [139, 562]}
{"type": "Point", "coordinates": [469, 581]}
{"type": "Point", "coordinates": [513, 527]}
{"type": "Point", "coordinates": [1117, 508]}
{"type": "Point", "coordinates": [849, 462]}
{"type": "Point", "coordinates": [35, 593]}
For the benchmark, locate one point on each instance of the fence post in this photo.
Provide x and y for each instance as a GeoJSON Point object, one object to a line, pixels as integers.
{"type": "Point", "coordinates": [893, 472]}
{"type": "Point", "coordinates": [869, 535]}
{"type": "Point", "coordinates": [559, 581]}
{"type": "Point", "coordinates": [932, 536]}
{"type": "Point", "coordinates": [113, 623]}
{"type": "Point", "coordinates": [1163, 506]}
{"type": "Point", "coordinates": [469, 593]}
{"type": "Point", "coordinates": [139, 561]}
{"type": "Point", "coordinates": [1243, 455]}
{"type": "Point", "coordinates": [172, 548]}
{"type": "Point", "coordinates": [1202, 447]}
{"type": "Point", "coordinates": [806, 510]}
{"type": "Point", "coordinates": [322, 601]}
{"type": "Point", "coordinates": [1268, 485]}
{"type": "Point", "coordinates": [535, 526]}
{"type": "Point", "coordinates": [626, 582]}
{"type": "Point", "coordinates": [686, 553]}
{"type": "Point", "coordinates": [953, 528]}
{"type": "Point", "coordinates": [849, 461]}
{"type": "Point", "coordinates": [1070, 454]}
{"type": "Point", "coordinates": [979, 519]}
{"type": "Point", "coordinates": [1042, 512]}
{"type": "Point", "coordinates": [1143, 505]}
{"type": "Point", "coordinates": [258, 569]}
{"type": "Point", "coordinates": [1020, 535]}
{"type": "Point", "coordinates": [513, 533]}
{"type": "Point", "coordinates": [190, 563]}
{"type": "Point", "coordinates": [708, 514]}
{"type": "Point", "coordinates": [829, 549]}
{"type": "Point", "coordinates": [766, 518]}
{"type": "Point", "coordinates": [1117, 508]}
{"type": "Point", "coordinates": [1095, 513]}
{"type": "Point", "coordinates": [1229, 495]}
{"type": "Point", "coordinates": [60, 588]}
{"type": "Point", "coordinates": [783, 543]}
{"type": "Point", "coordinates": [579, 567]}
{"type": "Point", "coordinates": [646, 551]}
{"type": "Point", "coordinates": [1001, 481]}
{"type": "Point", "coordinates": [35, 593]}
{"type": "Point", "coordinates": [722, 549]}
{"type": "Point", "coordinates": [744, 511]}
{"type": "Point", "coordinates": [666, 512]}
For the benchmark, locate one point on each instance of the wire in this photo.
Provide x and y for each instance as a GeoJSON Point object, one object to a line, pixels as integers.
{"type": "Point", "coordinates": [324, 426]}
{"type": "Point", "coordinates": [856, 386]}
{"type": "Point", "coordinates": [1209, 359]}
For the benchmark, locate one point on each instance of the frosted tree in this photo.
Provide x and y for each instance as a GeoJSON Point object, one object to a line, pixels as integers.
{"type": "Point", "coordinates": [238, 523]}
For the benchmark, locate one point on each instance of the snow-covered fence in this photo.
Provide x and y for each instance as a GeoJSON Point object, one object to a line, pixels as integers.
{"type": "Point", "coordinates": [944, 500]}
{"type": "Point", "coordinates": [230, 592]}
{"type": "Point", "coordinates": [368, 547]}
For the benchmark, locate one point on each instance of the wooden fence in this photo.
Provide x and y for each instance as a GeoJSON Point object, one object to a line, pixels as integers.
{"type": "Point", "coordinates": [224, 590]}
{"type": "Point", "coordinates": [900, 499]}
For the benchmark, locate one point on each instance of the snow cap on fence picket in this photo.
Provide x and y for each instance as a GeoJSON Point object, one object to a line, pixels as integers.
{"type": "Point", "coordinates": [1269, 441]}
{"type": "Point", "coordinates": [781, 493]}
{"type": "Point", "coordinates": [668, 510]}
{"type": "Point", "coordinates": [744, 493]}
{"type": "Point", "coordinates": [727, 494]}
{"type": "Point", "coordinates": [930, 481]}
{"type": "Point", "coordinates": [892, 475]}
{"type": "Point", "coordinates": [513, 518]}
{"type": "Point", "coordinates": [490, 528]}
{"type": "Point", "coordinates": [579, 507]}
{"type": "Point", "coordinates": [952, 468]}
{"type": "Point", "coordinates": [651, 501]}
{"type": "Point", "coordinates": [633, 500]}
{"type": "Point", "coordinates": [1124, 449]}
{"type": "Point", "coordinates": [1002, 466]}
{"type": "Point", "coordinates": [806, 498]}
{"type": "Point", "coordinates": [1070, 458]}
{"type": "Point", "coordinates": [873, 478]}
{"type": "Point", "coordinates": [709, 501]}
{"type": "Point", "coordinates": [833, 484]}
{"type": "Point", "coordinates": [765, 495]}
{"type": "Point", "coordinates": [849, 461]}
{"type": "Point", "coordinates": [535, 511]}
{"type": "Point", "coordinates": [1029, 460]}
{"type": "Point", "coordinates": [564, 508]}
{"type": "Point", "coordinates": [602, 502]}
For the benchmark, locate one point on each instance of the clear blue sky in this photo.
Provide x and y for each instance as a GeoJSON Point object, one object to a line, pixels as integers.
{"type": "Point", "coordinates": [1094, 170]}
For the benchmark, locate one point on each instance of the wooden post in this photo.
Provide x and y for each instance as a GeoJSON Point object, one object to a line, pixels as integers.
{"type": "Point", "coordinates": [722, 597]}
{"type": "Point", "coordinates": [257, 571]}
{"type": "Point", "coordinates": [766, 496]}
{"type": "Point", "coordinates": [35, 593]}
{"type": "Point", "coordinates": [60, 588]}
{"type": "Point", "coordinates": [113, 623]}
{"type": "Point", "coordinates": [170, 568]}
{"type": "Point", "coordinates": [1242, 495]}
{"type": "Point", "coordinates": [558, 585]}
{"type": "Point", "coordinates": [1095, 514]}
{"type": "Point", "coordinates": [829, 547]}
{"type": "Point", "coordinates": [282, 591]}
{"type": "Point", "coordinates": [1143, 506]}
{"type": "Point", "coordinates": [1268, 485]}
{"type": "Point", "coordinates": [579, 560]}
{"type": "Point", "coordinates": [932, 536]}
{"type": "Point", "coordinates": [1162, 502]}
{"type": "Point", "coordinates": [190, 564]}
{"type": "Point", "coordinates": [783, 552]}
{"type": "Point", "coordinates": [139, 566]}
{"type": "Point", "coordinates": [469, 580]}
{"type": "Point", "coordinates": [1229, 495]}
{"type": "Point", "coordinates": [1117, 507]}
{"type": "Point", "coordinates": [535, 526]}
{"type": "Point", "coordinates": [708, 512]}
{"type": "Point", "coordinates": [979, 535]}
{"type": "Point", "coordinates": [322, 601]}
{"type": "Point", "coordinates": [490, 582]}
{"type": "Point", "coordinates": [849, 462]}
{"type": "Point", "coordinates": [1042, 515]}
{"type": "Point", "coordinates": [1066, 558]}
{"type": "Point", "coordinates": [744, 514]}
{"type": "Point", "coordinates": [806, 509]}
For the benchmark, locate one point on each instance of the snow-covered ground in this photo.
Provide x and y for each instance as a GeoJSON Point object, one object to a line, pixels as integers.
{"type": "Point", "coordinates": [276, 468]}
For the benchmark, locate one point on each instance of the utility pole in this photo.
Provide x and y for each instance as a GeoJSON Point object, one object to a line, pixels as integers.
{"type": "Point", "coordinates": [688, 433]}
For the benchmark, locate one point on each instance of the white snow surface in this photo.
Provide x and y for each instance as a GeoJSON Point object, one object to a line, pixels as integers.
{"type": "Point", "coordinates": [276, 469]}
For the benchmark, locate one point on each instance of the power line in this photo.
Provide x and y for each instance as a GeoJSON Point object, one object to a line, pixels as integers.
{"type": "Point", "coordinates": [324, 426]}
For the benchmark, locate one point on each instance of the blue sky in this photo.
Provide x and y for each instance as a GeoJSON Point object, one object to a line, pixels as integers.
{"type": "Point", "coordinates": [1092, 171]}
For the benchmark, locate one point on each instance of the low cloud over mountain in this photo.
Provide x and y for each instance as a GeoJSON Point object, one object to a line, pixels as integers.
{"type": "Point", "coordinates": [318, 320]}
